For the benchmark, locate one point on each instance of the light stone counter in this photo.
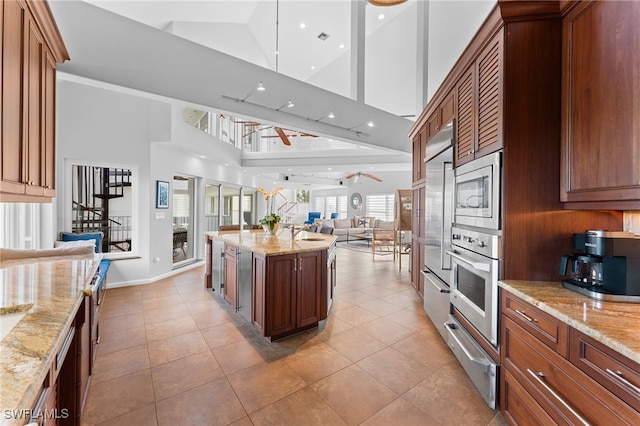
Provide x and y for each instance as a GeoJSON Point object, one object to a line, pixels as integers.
{"type": "Point", "coordinates": [49, 291]}
{"type": "Point", "coordinates": [613, 324]}
{"type": "Point", "coordinates": [279, 243]}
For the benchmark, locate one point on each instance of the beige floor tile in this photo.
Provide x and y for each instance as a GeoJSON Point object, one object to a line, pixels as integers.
{"type": "Point", "coordinates": [245, 421]}
{"type": "Point", "coordinates": [161, 302]}
{"type": "Point", "coordinates": [386, 330]}
{"type": "Point", "coordinates": [117, 340]}
{"type": "Point", "coordinates": [221, 335]}
{"type": "Point", "coordinates": [354, 344]}
{"type": "Point", "coordinates": [167, 350]}
{"type": "Point", "coordinates": [184, 374]}
{"type": "Point", "coordinates": [169, 328]}
{"type": "Point", "coordinates": [114, 398]}
{"type": "Point", "coordinates": [434, 397]}
{"type": "Point", "coordinates": [236, 356]}
{"type": "Point", "coordinates": [356, 297]}
{"type": "Point", "coordinates": [143, 417]}
{"type": "Point", "coordinates": [114, 307]}
{"type": "Point", "coordinates": [166, 313]}
{"type": "Point", "coordinates": [158, 290]}
{"type": "Point", "coordinates": [395, 370]}
{"type": "Point", "coordinates": [317, 362]}
{"type": "Point", "coordinates": [120, 363]}
{"type": "Point", "coordinates": [214, 403]}
{"type": "Point", "coordinates": [264, 384]}
{"type": "Point", "coordinates": [400, 412]}
{"type": "Point", "coordinates": [211, 318]}
{"type": "Point", "coordinates": [429, 351]}
{"type": "Point", "coordinates": [121, 322]}
{"type": "Point", "coordinates": [355, 315]}
{"type": "Point", "coordinates": [381, 307]}
{"type": "Point", "coordinates": [353, 394]}
{"type": "Point", "coordinates": [377, 292]}
{"type": "Point", "coordinates": [303, 407]}
{"type": "Point", "coordinates": [410, 318]}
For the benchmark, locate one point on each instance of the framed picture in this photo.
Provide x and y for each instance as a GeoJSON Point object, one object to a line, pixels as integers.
{"type": "Point", "coordinates": [162, 194]}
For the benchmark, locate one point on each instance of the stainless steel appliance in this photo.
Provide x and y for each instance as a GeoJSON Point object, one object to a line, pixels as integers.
{"type": "Point", "coordinates": [605, 267]}
{"type": "Point", "coordinates": [217, 266]}
{"type": "Point", "coordinates": [439, 216]}
{"type": "Point", "coordinates": [476, 266]}
{"type": "Point", "coordinates": [474, 294]}
{"type": "Point", "coordinates": [477, 192]}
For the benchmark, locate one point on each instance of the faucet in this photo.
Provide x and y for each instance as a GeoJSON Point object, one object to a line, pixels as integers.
{"type": "Point", "coordinates": [294, 232]}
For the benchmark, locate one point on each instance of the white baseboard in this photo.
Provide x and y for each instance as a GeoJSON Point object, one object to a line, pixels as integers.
{"type": "Point", "coordinates": [156, 278]}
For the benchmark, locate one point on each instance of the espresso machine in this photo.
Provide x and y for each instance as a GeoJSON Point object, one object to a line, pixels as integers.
{"type": "Point", "coordinates": [604, 266]}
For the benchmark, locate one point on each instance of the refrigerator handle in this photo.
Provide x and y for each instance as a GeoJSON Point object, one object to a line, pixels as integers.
{"type": "Point", "coordinates": [444, 226]}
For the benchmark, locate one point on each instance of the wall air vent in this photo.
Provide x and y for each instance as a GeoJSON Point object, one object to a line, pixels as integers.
{"type": "Point", "coordinates": [323, 36]}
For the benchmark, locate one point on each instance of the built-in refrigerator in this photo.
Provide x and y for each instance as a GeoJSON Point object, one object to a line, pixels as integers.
{"type": "Point", "coordinates": [439, 218]}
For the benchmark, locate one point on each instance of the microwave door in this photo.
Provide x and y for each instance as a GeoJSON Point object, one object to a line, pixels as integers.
{"type": "Point", "coordinates": [438, 207]}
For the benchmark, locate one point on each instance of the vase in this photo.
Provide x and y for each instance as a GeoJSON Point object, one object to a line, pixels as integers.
{"type": "Point", "coordinates": [270, 228]}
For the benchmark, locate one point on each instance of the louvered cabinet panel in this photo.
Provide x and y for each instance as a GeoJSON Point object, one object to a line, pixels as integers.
{"type": "Point", "coordinates": [489, 68]}
{"type": "Point", "coordinates": [465, 126]}
{"type": "Point", "coordinates": [479, 127]}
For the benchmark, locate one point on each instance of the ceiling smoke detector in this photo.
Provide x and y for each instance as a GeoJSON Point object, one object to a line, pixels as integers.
{"type": "Point", "coordinates": [323, 36]}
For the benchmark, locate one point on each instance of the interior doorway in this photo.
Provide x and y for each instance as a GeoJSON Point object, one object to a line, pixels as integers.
{"type": "Point", "coordinates": [183, 198]}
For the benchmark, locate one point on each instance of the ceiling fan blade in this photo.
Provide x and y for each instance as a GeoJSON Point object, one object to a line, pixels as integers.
{"type": "Point", "coordinates": [283, 136]}
{"type": "Point", "coordinates": [350, 176]}
{"type": "Point", "coordinates": [372, 177]}
{"type": "Point", "coordinates": [256, 131]}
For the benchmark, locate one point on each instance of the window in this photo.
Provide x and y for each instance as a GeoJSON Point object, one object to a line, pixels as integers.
{"type": "Point", "coordinates": [342, 207]}
{"type": "Point", "coordinates": [380, 206]}
{"type": "Point", "coordinates": [102, 200]}
{"type": "Point", "coordinates": [319, 205]}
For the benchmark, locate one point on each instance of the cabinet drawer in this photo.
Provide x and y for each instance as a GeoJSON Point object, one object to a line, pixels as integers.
{"type": "Point", "coordinates": [563, 391]}
{"type": "Point", "coordinates": [549, 330]}
{"type": "Point", "coordinates": [518, 406]}
{"type": "Point", "coordinates": [613, 371]}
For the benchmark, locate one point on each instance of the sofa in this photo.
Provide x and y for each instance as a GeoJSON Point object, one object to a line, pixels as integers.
{"type": "Point", "coordinates": [354, 228]}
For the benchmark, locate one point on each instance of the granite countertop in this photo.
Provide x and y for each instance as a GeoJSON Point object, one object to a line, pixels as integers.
{"type": "Point", "coordinates": [279, 243]}
{"type": "Point", "coordinates": [615, 324]}
{"type": "Point", "coordinates": [49, 292]}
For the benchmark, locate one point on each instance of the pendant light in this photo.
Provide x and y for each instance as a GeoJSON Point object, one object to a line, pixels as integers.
{"type": "Point", "coordinates": [386, 2]}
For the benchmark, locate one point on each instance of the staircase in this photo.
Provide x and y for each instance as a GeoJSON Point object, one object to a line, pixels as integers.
{"type": "Point", "coordinates": [93, 191]}
{"type": "Point", "coordinates": [286, 209]}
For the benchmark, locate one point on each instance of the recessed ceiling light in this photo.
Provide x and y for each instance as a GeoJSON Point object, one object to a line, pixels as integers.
{"type": "Point", "coordinates": [331, 115]}
{"type": "Point", "coordinates": [288, 170]}
{"type": "Point", "coordinates": [313, 67]}
{"type": "Point", "coordinates": [341, 46]}
{"type": "Point", "coordinates": [303, 25]}
{"type": "Point", "coordinates": [226, 164]}
{"type": "Point", "coordinates": [329, 168]}
{"type": "Point", "coordinates": [323, 36]}
{"type": "Point", "coordinates": [260, 87]}
{"type": "Point", "coordinates": [277, 52]}
{"type": "Point", "coordinates": [290, 104]}
{"type": "Point", "coordinates": [381, 16]}
{"type": "Point", "coordinates": [370, 124]}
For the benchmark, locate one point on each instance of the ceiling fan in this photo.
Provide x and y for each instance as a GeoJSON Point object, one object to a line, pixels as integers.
{"type": "Point", "coordinates": [280, 132]}
{"type": "Point", "coordinates": [357, 176]}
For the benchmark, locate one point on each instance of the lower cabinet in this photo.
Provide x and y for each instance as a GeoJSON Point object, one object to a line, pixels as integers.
{"type": "Point", "coordinates": [230, 274]}
{"type": "Point", "coordinates": [290, 292]}
{"type": "Point", "coordinates": [540, 383]}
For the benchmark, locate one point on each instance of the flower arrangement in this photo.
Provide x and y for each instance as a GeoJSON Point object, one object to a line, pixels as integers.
{"type": "Point", "coordinates": [271, 219]}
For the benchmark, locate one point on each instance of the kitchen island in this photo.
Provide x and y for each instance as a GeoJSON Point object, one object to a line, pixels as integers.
{"type": "Point", "coordinates": [281, 285]}
{"type": "Point", "coordinates": [45, 351]}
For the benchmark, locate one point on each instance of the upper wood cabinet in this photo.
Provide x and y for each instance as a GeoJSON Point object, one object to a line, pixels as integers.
{"type": "Point", "coordinates": [419, 146]}
{"type": "Point", "coordinates": [31, 48]}
{"type": "Point", "coordinates": [601, 105]}
{"type": "Point", "coordinates": [479, 107]}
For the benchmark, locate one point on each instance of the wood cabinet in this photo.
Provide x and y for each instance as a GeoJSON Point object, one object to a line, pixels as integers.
{"type": "Point", "coordinates": [231, 275]}
{"type": "Point", "coordinates": [293, 294]}
{"type": "Point", "coordinates": [600, 105]}
{"type": "Point", "coordinates": [419, 145]}
{"type": "Point", "coordinates": [479, 104]}
{"type": "Point", "coordinates": [539, 378]}
{"type": "Point", "coordinates": [31, 48]}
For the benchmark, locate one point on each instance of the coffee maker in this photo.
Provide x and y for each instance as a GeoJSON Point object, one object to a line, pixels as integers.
{"type": "Point", "coordinates": [605, 266]}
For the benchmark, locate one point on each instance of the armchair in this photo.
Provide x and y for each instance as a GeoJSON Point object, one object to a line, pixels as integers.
{"type": "Point", "coordinates": [312, 217]}
{"type": "Point", "coordinates": [384, 241]}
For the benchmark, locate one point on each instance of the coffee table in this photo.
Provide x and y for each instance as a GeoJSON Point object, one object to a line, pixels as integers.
{"type": "Point", "coordinates": [366, 236]}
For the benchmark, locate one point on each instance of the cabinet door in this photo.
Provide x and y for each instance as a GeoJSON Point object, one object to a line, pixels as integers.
{"type": "Point", "coordinates": [489, 105]}
{"type": "Point", "coordinates": [230, 276]}
{"type": "Point", "coordinates": [433, 125]}
{"type": "Point", "coordinates": [48, 126]}
{"type": "Point", "coordinates": [281, 294]}
{"type": "Point", "coordinates": [447, 109]}
{"type": "Point", "coordinates": [465, 126]}
{"type": "Point", "coordinates": [417, 170]}
{"type": "Point", "coordinates": [309, 291]}
{"type": "Point", "coordinates": [600, 107]}
{"type": "Point", "coordinates": [12, 171]}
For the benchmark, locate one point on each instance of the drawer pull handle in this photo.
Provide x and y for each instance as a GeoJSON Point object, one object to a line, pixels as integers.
{"type": "Point", "coordinates": [618, 376]}
{"type": "Point", "coordinates": [525, 316]}
{"type": "Point", "coordinates": [538, 377]}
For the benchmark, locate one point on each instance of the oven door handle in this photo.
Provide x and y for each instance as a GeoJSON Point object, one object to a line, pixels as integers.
{"type": "Point", "coordinates": [486, 267]}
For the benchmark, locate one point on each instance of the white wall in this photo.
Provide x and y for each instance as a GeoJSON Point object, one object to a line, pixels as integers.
{"type": "Point", "coordinates": [98, 126]}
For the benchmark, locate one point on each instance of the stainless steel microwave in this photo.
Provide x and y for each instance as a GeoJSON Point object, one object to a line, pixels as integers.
{"type": "Point", "coordinates": [477, 192]}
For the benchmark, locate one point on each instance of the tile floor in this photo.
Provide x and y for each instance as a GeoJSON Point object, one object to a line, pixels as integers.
{"type": "Point", "coordinates": [171, 353]}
